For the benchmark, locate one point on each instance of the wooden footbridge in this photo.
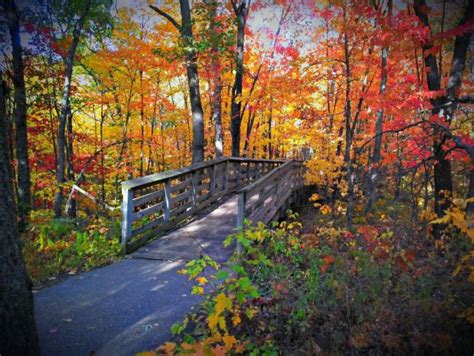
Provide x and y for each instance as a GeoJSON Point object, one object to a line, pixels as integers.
{"type": "Point", "coordinates": [156, 204]}
{"type": "Point", "coordinates": [192, 210]}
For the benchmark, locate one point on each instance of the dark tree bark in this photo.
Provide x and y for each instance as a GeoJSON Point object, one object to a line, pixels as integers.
{"type": "Point", "coordinates": [216, 81]}
{"type": "Point", "coordinates": [241, 9]}
{"type": "Point", "coordinates": [17, 324]}
{"type": "Point", "coordinates": [445, 105]}
{"type": "Point", "coordinates": [348, 130]}
{"type": "Point", "coordinates": [470, 195]}
{"type": "Point", "coordinates": [186, 31]}
{"type": "Point", "coordinates": [24, 180]}
{"type": "Point", "coordinates": [61, 136]}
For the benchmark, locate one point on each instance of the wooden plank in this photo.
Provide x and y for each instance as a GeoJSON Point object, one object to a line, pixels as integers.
{"type": "Point", "coordinates": [167, 207]}
{"type": "Point", "coordinates": [148, 197]}
{"type": "Point", "coordinates": [181, 186]}
{"type": "Point", "coordinates": [180, 209]}
{"type": "Point", "coordinates": [175, 200]}
{"type": "Point", "coordinates": [148, 211]}
{"type": "Point", "coordinates": [147, 226]}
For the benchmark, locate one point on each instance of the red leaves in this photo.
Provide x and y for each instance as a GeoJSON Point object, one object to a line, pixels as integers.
{"type": "Point", "coordinates": [328, 260]}
{"type": "Point", "coordinates": [432, 51]}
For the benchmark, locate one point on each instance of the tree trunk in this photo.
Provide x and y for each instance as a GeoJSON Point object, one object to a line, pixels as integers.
{"type": "Point", "coordinates": [24, 179]}
{"type": "Point", "coordinates": [470, 205]}
{"type": "Point", "coordinates": [193, 83]}
{"type": "Point", "coordinates": [269, 130]}
{"type": "Point", "coordinates": [216, 81]}
{"type": "Point", "coordinates": [444, 106]}
{"type": "Point", "coordinates": [61, 139]}
{"type": "Point", "coordinates": [236, 106]}
{"type": "Point", "coordinates": [376, 156]}
{"type": "Point", "coordinates": [348, 129]}
{"type": "Point", "coordinates": [17, 324]}
{"type": "Point", "coordinates": [71, 209]}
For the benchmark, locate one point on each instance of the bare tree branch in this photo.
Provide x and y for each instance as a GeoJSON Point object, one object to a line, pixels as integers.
{"type": "Point", "coordinates": [166, 16]}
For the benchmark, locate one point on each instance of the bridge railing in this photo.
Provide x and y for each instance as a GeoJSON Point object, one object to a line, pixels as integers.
{"type": "Point", "coordinates": [271, 194]}
{"type": "Point", "coordinates": [156, 203]}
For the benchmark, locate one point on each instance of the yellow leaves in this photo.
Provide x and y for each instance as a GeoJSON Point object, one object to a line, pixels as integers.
{"type": "Point", "coordinates": [229, 341]}
{"type": "Point", "coordinates": [457, 217]}
{"type": "Point", "coordinates": [315, 197]}
{"type": "Point", "coordinates": [236, 320]}
{"type": "Point", "coordinates": [215, 319]}
{"type": "Point", "coordinates": [197, 290]}
{"type": "Point", "coordinates": [202, 280]}
{"type": "Point", "coordinates": [223, 303]}
{"type": "Point", "coordinates": [468, 314]}
{"type": "Point", "coordinates": [325, 209]}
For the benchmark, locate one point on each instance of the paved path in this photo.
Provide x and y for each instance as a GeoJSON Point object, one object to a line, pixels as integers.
{"type": "Point", "coordinates": [130, 306]}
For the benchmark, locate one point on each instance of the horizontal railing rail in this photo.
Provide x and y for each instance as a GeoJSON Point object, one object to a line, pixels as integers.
{"type": "Point", "coordinates": [272, 193]}
{"type": "Point", "coordinates": [159, 202]}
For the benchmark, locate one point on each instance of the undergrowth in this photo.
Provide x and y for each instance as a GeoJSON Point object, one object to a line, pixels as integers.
{"type": "Point", "coordinates": [330, 291]}
{"type": "Point", "coordinates": [53, 247]}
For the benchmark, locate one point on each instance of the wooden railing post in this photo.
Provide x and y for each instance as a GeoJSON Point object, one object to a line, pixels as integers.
{"type": "Point", "coordinates": [212, 183]}
{"type": "Point", "coordinates": [167, 207]}
{"type": "Point", "coordinates": [225, 182]}
{"type": "Point", "coordinates": [237, 173]}
{"type": "Point", "coordinates": [194, 189]}
{"type": "Point", "coordinates": [241, 202]}
{"type": "Point", "coordinates": [127, 210]}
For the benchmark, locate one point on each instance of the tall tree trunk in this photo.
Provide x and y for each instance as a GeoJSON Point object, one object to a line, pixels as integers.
{"type": "Point", "coordinates": [61, 139]}
{"type": "Point", "coordinates": [444, 106]}
{"type": "Point", "coordinates": [241, 11]}
{"type": "Point", "coordinates": [17, 324]}
{"type": "Point", "coordinates": [142, 124]}
{"type": "Point", "coordinates": [377, 154]}
{"type": "Point", "coordinates": [216, 81]}
{"type": "Point", "coordinates": [269, 129]}
{"type": "Point", "coordinates": [193, 82]}
{"type": "Point", "coordinates": [24, 180]}
{"type": "Point", "coordinates": [71, 209]}
{"type": "Point", "coordinates": [348, 129]}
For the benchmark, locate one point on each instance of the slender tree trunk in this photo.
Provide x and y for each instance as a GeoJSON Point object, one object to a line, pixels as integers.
{"type": "Point", "coordinates": [17, 324]}
{"type": "Point", "coordinates": [269, 130]}
{"type": "Point", "coordinates": [71, 209]}
{"type": "Point", "coordinates": [142, 124]}
{"type": "Point", "coordinates": [348, 129]}
{"type": "Point", "coordinates": [61, 139]}
{"type": "Point", "coordinates": [248, 131]}
{"type": "Point", "coordinates": [21, 139]}
{"type": "Point", "coordinates": [376, 156]}
{"type": "Point", "coordinates": [236, 106]}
